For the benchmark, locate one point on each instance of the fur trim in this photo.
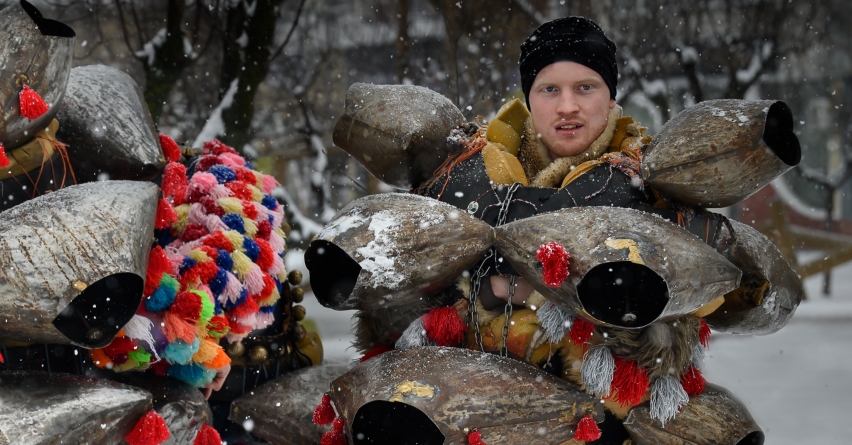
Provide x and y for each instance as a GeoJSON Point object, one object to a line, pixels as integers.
{"type": "Point", "coordinates": [536, 161]}
{"type": "Point", "coordinates": [664, 349]}
{"type": "Point", "coordinates": [667, 398]}
{"type": "Point", "coordinates": [597, 370]}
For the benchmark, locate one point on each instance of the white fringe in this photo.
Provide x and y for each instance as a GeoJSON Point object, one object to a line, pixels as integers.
{"type": "Point", "coordinates": [597, 370]}
{"type": "Point", "coordinates": [414, 336]}
{"type": "Point", "coordinates": [667, 398]}
{"type": "Point", "coordinates": [139, 328]}
{"type": "Point", "coordinates": [555, 321]}
{"type": "Point", "coordinates": [697, 360]}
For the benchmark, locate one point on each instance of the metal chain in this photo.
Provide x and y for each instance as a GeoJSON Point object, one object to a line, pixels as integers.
{"type": "Point", "coordinates": [504, 205]}
{"type": "Point", "coordinates": [507, 312]}
{"type": "Point", "coordinates": [475, 282]}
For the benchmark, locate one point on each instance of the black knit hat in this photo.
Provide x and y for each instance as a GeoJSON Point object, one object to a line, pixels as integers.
{"type": "Point", "coordinates": [572, 39]}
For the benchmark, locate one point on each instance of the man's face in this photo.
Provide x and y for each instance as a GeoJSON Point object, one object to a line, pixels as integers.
{"type": "Point", "coordinates": [570, 105]}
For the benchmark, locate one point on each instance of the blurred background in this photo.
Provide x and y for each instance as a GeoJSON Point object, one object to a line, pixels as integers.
{"type": "Point", "coordinates": [269, 77]}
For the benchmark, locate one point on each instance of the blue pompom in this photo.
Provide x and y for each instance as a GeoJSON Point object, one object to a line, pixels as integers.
{"type": "Point", "coordinates": [267, 309]}
{"type": "Point", "coordinates": [193, 374]}
{"type": "Point", "coordinates": [223, 174]}
{"type": "Point", "coordinates": [234, 222]}
{"type": "Point", "coordinates": [186, 264]}
{"type": "Point", "coordinates": [269, 202]}
{"type": "Point", "coordinates": [252, 249]}
{"type": "Point", "coordinates": [224, 260]}
{"type": "Point", "coordinates": [164, 237]}
{"type": "Point", "coordinates": [181, 352]}
{"type": "Point", "coordinates": [160, 300]}
{"type": "Point", "coordinates": [219, 281]}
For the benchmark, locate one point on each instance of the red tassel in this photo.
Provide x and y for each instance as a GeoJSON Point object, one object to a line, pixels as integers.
{"type": "Point", "coordinates": [4, 161]}
{"type": "Point", "coordinates": [581, 331]}
{"type": "Point", "coordinates": [207, 435]}
{"type": "Point", "coordinates": [335, 436]}
{"type": "Point", "coordinates": [587, 429]}
{"type": "Point", "coordinates": [630, 381]}
{"type": "Point", "coordinates": [170, 148]}
{"type": "Point", "coordinates": [32, 105]}
{"type": "Point", "coordinates": [158, 264]}
{"type": "Point", "coordinates": [175, 182]}
{"type": "Point", "coordinates": [693, 382]}
{"type": "Point", "coordinates": [554, 263]}
{"type": "Point", "coordinates": [324, 412]}
{"type": "Point", "coordinates": [704, 333]}
{"type": "Point", "coordinates": [166, 215]}
{"type": "Point", "coordinates": [151, 429]}
{"type": "Point", "coordinates": [475, 438]}
{"type": "Point", "coordinates": [444, 326]}
{"type": "Point", "coordinates": [380, 349]}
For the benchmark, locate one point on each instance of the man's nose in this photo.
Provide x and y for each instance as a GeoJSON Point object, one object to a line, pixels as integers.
{"type": "Point", "coordinates": [567, 104]}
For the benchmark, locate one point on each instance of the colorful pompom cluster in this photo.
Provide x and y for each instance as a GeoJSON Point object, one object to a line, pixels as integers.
{"type": "Point", "coordinates": [217, 270]}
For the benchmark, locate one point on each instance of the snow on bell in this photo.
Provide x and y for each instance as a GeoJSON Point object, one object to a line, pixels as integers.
{"type": "Point", "coordinates": [107, 126]}
{"type": "Point", "coordinates": [398, 132]}
{"type": "Point", "coordinates": [35, 53]}
{"type": "Point", "coordinates": [770, 290]}
{"type": "Point", "coordinates": [626, 268]}
{"type": "Point", "coordinates": [719, 152]}
{"type": "Point", "coordinates": [713, 417]}
{"type": "Point", "coordinates": [439, 395]}
{"type": "Point", "coordinates": [53, 408]}
{"type": "Point", "coordinates": [74, 261]}
{"type": "Point", "coordinates": [394, 248]}
{"type": "Point", "coordinates": [282, 409]}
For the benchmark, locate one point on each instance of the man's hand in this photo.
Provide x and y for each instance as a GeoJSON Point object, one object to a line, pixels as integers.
{"type": "Point", "coordinates": [218, 381]}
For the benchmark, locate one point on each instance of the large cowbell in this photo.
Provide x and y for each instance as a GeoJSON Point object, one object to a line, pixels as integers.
{"type": "Point", "coordinates": [627, 268]}
{"type": "Point", "coordinates": [37, 52]}
{"type": "Point", "coordinates": [107, 126]}
{"type": "Point", "coordinates": [73, 262]}
{"type": "Point", "coordinates": [398, 132]}
{"type": "Point", "coordinates": [719, 152]}
{"type": "Point", "coordinates": [393, 248]}
{"type": "Point", "coordinates": [437, 394]}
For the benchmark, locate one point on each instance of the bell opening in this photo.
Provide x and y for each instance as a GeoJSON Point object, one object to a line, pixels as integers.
{"type": "Point", "coordinates": [778, 134]}
{"type": "Point", "coordinates": [94, 318]}
{"type": "Point", "coordinates": [333, 272]}
{"type": "Point", "coordinates": [755, 438]}
{"type": "Point", "coordinates": [394, 423]}
{"type": "Point", "coordinates": [47, 27]}
{"type": "Point", "coordinates": [623, 293]}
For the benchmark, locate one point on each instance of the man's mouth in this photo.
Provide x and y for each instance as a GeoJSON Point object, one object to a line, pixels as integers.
{"type": "Point", "coordinates": [567, 127]}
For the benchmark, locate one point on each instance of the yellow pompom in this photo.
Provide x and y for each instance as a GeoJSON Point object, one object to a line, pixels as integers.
{"type": "Point", "coordinates": [242, 264]}
{"type": "Point", "coordinates": [271, 299]}
{"type": "Point", "coordinates": [182, 212]}
{"type": "Point", "coordinates": [256, 194]}
{"type": "Point", "coordinates": [236, 239]}
{"type": "Point", "coordinates": [250, 226]}
{"type": "Point", "coordinates": [231, 205]}
{"type": "Point", "coordinates": [207, 350]}
{"type": "Point", "coordinates": [199, 256]}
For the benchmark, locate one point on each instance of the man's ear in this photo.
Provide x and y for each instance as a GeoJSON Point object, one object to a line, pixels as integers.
{"type": "Point", "coordinates": [611, 104]}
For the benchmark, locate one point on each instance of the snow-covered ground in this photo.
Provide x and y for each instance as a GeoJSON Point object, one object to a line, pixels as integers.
{"type": "Point", "coordinates": [797, 383]}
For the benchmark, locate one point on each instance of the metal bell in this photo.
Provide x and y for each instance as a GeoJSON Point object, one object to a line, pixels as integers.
{"type": "Point", "coordinates": [107, 126]}
{"type": "Point", "coordinates": [74, 262]}
{"type": "Point", "coordinates": [712, 417]}
{"type": "Point", "coordinates": [398, 132]}
{"type": "Point", "coordinates": [37, 52]}
{"type": "Point", "coordinates": [453, 389]}
{"type": "Point", "coordinates": [770, 290]}
{"type": "Point", "coordinates": [627, 268]}
{"type": "Point", "coordinates": [282, 409]}
{"type": "Point", "coordinates": [391, 249]}
{"type": "Point", "coordinates": [719, 152]}
{"type": "Point", "coordinates": [42, 408]}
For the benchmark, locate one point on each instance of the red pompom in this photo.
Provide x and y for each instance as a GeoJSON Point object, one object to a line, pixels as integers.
{"type": "Point", "coordinates": [587, 430]}
{"type": "Point", "coordinates": [175, 182]}
{"type": "Point", "coordinates": [158, 264]}
{"type": "Point", "coordinates": [554, 263]}
{"type": "Point", "coordinates": [581, 331]}
{"type": "Point", "coordinates": [380, 349]}
{"type": "Point", "coordinates": [444, 326]}
{"type": "Point", "coordinates": [207, 435]}
{"type": "Point", "coordinates": [192, 232]}
{"type": "Point", "coordinates": [187, 306]}
{"type": "Point", "coordinates": [249, 210]}
{"type": "Point", "coordinates": [4, 161]}
{"type": "Point", "coordinates": [335, 436]}
{"type": "Point", "coordinates": [216, 147]}
{"type": "Point", "coordinates": [240, 190]}
{"type": "Point", "coordinates": [264, 229]}
{"type": "Point", "coordinates": [630, 382]}
{"type": "Point", "coordinates": [32, 105]}
{"type": "Point", "coordinates": [704, 333]}
{"type": "Point", "coordinates": [170, 148]}
{"type": "Point", "coordinates": [218, 240]}
{"type": "Point", "coordinates": [166, 215]}
{"type": "Point", "coordinates": [246, 309]}
{"type": "Point", "coordinates": [324, 412]}
{"type": "Point", "coordinates": [119, 347]}
{"type": "Point", "coordinates": [151, 429]}
{"type": "Point", "coordinates": [265, 255]}
{"type": "Point", "coordinates": [475, 438]}
{"type": "Point", "coordinates": [1, 358]}
{"type": "Point", "coordinates": [693, 382]}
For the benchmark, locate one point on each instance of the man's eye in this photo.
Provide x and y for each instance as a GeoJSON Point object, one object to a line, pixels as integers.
{"type": "Point", "coordinates": [585, 87]}
{"type": "Point", "coordinates": [549, 89]}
